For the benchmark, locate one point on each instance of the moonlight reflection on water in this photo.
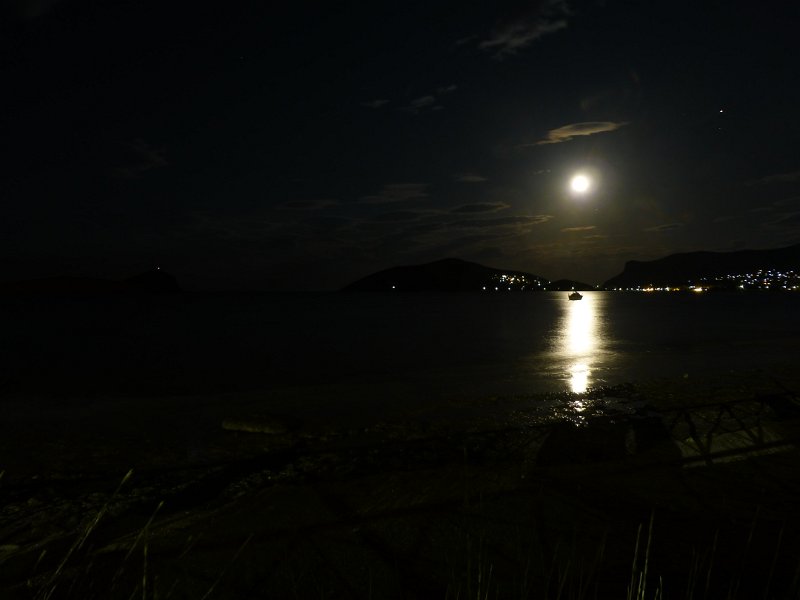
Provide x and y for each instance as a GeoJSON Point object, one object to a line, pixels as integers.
{"type": "Point", "coordinates": [579, 339]}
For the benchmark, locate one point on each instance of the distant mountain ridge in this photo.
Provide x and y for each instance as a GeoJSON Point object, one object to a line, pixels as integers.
{"type": "Point", "coordinates": [678, 269]}
{"type": "Point", "coordinates": [446, 275]}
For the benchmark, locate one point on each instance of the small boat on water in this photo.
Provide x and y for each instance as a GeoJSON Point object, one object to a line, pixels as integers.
{"type": "Point", "coordinates": [575, 296]}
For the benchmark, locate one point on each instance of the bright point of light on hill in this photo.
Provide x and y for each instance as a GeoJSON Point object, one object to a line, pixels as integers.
{"type": "Point", "coordinates": [580, 184]}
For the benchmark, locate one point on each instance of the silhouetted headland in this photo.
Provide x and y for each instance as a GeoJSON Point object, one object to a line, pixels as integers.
{"type": "Point", "coordinates": [446, 275]}
{"type": "Point", "coordinates": [741, 269]}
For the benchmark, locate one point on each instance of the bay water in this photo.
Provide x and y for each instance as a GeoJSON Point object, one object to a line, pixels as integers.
{"type": "Point", "coordinates": [482, 343]}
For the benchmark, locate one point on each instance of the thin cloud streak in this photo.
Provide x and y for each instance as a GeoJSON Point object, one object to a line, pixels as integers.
{"type": "Point", "coordinates": [512, 35]}
{"type": "Point", "coordinates": [307, 204]}
{"type": "Point", "coordinates": [519, 220]}
{"type": "Point", "coordinates": [471, 178]}
{"type": "Point", "coordinates": [375, 103]}
{"type": "Point", "coordinates": [665, 227]}
{"type": "Point", "coordinates": [565, 133]}
{"type": "Point", "coordinates": [777, 178]}
{"type": "Point", "coordinates": [144, 157]}
{"type": "Point", "coordinates": [481, 207]}
{"type": "Point", "coordinates": [423, 101]}
{"type": "Point", "coordinates": [397, 192]}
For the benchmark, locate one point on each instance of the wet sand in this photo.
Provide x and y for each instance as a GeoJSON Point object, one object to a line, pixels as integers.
{"type": "Point", "coordinates": [505, 496]}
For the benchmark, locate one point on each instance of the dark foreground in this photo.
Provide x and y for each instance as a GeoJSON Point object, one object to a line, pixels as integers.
{"type": "Point", "coordinates": [663, 489]}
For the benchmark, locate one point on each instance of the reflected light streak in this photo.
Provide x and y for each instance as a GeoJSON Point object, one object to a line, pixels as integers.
{"type": "Point", "coordinates": [579, 378]}
{"type": "Point", "coordinates": [579, 327]}
{"type": "Point", "coordinates": [579, 341]}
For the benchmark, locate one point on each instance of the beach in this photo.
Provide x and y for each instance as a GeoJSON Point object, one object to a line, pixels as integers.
{"type": "Point", "coordinates": [665, 482]}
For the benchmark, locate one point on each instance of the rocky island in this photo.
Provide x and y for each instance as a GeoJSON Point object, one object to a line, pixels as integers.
{"type": "Point", "coordinates": [451, 275]}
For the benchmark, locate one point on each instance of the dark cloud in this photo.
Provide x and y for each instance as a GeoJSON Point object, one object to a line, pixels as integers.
{"type": "Point", "coordinates": [468, 244]}
{"type": "Point", "coordinates": [791, 201]}
{"type": "Point", "coordinates": [596, 100]}
{"type": "Point", "coordinates": [430, 100]}
{"type": "Point", "coordinates": [735, 245]}
{"type": "Point", "coordinates": [307, 204]}
{"type": "Point", "coordinates": [375, 103]}
{"type": "Point", "coordinates": [513, 34]}
{"type": "Point", "coordinates": [588, 246]}
{"type": "Point", "coordinates": [422, 228]}
{"type": "Point", "coordinates": [782, 204]}
{"type": "Point", "coordinates": [140, 158]}
{"type": "Point", "coordinates": [481, 207]}
{"type": "Point", "coordinates": [624, 96]}
{"type": "Point", "coordinates": [790, 220]}
{"type": "Point", "coordinates": [397, 216]}
{"type": "Point", "coordinates": [567, 132]}
{"type": "Point", "coordinates": [470, 178]}
{"type": "Point", "coordinates": [466, 40]}
{"type": "Point", "coordinates": [327, 222]}
{"type": "Point", "coordinates": [397, 192]}
{"type": "Point", "coordinates": [29, 9]}
{"type": "Point", "coordinates": [515, 221]}
{"type": "Point", "coordinates": [665, 227]}
{"type": "Point", "coordinates": [776, 178]}
{"type": "Point", "coordinates": [227, 227]}
{"type": "Point", "coordinates": [423, 101]}
{"type": "Point", "coordinates": [782, 229]}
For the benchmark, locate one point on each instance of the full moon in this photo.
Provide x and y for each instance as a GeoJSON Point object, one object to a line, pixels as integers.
{"type": "Point", "coordinates": [579, 183]}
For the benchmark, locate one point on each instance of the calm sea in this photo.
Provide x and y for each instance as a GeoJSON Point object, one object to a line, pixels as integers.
{"type": "Point", "coordinates": [490, 343]}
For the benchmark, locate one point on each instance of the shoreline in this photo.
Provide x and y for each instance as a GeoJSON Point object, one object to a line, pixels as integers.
{"type": "Point", "coordinates": [599, 468]}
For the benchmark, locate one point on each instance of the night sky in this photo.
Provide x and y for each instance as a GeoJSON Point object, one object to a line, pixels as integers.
{"type": "Point", "coordinates": [298, 146]}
